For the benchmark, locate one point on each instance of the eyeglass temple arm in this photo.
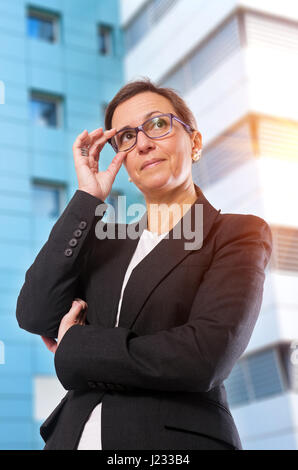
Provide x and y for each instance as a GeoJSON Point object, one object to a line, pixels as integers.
{"type": "Point", "coordinates": [183, 123]}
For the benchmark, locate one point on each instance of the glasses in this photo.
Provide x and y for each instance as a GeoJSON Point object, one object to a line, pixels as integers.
{"type": "Point", "coordinates": [154, 128]}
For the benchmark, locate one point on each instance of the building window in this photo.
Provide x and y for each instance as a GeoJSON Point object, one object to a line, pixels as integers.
{"type": "Point", "coordinates": [237, 387]}
{"type": "Point", "coordinates": [45, 110]}
{"type": "Point", "coordinates": [260, 375]}
{"type": "Point", "coordinates": [269, 31]}
{"type": "Point", "coordinates": [248, 29]}
{"type": "Point", "coordinates": [47, 199]}
{"type": "Point", "coordinates": [254, 136]}
{"type": "Point", "coordinates": [179, 79]}
{"type": "Point", "coordinates": [224, 155]}
{"type": "Point", "coordinates": [149, 15]}
{"type": "Point", "coordinates": [205, 58]}
{"type": "Point", "coordinates": [105, 40]}
{"type": "Point", "coordinates": [136, 29]}
{"type": "Point", "coordinates": [285, 249]}
{"type": "Point", "coordinates": [289, 359]}
{"type": "Point", "coordinates": [42, 25]}
{"type": "Point", "coordinates": [265, 374]}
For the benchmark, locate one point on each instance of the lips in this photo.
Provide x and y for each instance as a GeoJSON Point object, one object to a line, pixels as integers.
{"type": "Point", "coordinates": [150, 162]}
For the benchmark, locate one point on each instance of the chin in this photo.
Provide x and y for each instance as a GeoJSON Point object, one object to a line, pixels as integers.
{"type": "Point", "coordinates": [155, 182]}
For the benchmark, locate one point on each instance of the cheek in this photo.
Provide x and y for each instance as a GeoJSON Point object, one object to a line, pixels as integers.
{"type": "Point", "coordinates": [181, 153]}
{"type": "Point", "coordinates": [130, 163]}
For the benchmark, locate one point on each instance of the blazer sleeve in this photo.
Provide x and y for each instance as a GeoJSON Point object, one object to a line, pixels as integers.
{"type": "Point", "coordinates": [53, 280]}
{"type": "Point", "coordinates": [195, 356]}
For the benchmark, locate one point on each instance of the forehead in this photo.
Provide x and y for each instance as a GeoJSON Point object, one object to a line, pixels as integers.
{"type": "Point", "coordinates": [132, 112]}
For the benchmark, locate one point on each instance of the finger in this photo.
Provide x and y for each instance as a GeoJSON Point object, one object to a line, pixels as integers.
{"type": "Point", "coordinates": [86, 137]}
{"type": "Point", "coordinates": [74, 315]}
{"type": "Point", "coordinates": [115, 164]}
{"type": "Point", "coordinates": [96, 142]}
{"type": "Point", "coordinates": [96, 132]}
{"type": "Point", "coordinates": [95, 135]}
{"type": "Point", "coordinates": [73, 312]}
{"type": "Point", "coordinates": [99, 143]}
{"type": "Point", "coordinates": [50, 343]}
{"type": "Point", "coordinates": [96, 148]}
{"type": "Point", "coordinates": [81, 318]}
{"type": "Point", "coordinates": [76, 307]}
{"type": "Point", "coordinates": [82, 302]}
{"type": "Point", "coordinates": [82, 141]}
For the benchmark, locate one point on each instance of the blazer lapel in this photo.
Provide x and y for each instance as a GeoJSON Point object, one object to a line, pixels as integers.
{"type": "Point", "coordinates": [168, 253]}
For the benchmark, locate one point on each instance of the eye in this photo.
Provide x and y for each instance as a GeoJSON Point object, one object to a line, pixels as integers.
{"type": "Point", "coordinates": [159, 122]}
{"type": "Point", "coordinates": [126, 136]}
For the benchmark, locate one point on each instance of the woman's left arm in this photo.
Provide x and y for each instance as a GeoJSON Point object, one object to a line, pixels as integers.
{"type": "Point", "coordinates": [56, 276]}
{"type": "Point", "coordinates": [193, 357]}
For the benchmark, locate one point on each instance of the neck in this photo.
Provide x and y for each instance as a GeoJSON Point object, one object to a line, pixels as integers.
{"type": "Point", "coordinates": [164, 212]}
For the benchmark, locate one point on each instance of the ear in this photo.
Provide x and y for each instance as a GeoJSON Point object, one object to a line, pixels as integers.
{"type": "Point", "coordinates": [196, 139]}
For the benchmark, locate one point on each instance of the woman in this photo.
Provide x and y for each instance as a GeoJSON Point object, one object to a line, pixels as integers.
{"type": "Point", "coordinates": [165, 322]}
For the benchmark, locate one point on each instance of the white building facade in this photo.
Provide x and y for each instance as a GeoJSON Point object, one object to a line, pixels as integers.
{"type": "Point", "coordinates": [235, 63]}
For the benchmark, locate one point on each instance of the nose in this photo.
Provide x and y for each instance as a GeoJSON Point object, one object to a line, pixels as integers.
{"type": "Point", "coordinates": [144, 143]}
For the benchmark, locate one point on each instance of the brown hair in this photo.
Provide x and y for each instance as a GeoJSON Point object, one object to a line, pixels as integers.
{"type": "Point", "coordinates": [139, 86]}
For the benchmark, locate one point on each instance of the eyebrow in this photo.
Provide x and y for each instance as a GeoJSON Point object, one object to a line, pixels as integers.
{"type": "Point", "coordinates": [144, 117]}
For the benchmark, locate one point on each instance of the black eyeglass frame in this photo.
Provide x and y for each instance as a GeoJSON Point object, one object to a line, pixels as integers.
{"type": "Point", "coordinates": [141, 128]}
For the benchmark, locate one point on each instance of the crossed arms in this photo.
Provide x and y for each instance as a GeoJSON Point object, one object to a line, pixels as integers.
{"type": "Point", "coordinates": [193, 357]}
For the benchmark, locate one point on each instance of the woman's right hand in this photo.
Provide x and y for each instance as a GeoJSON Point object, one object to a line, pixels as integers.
{"type": "Point", "coordinates": [75, 316]}
{"type": "Point", "coordinates": [97, 183]}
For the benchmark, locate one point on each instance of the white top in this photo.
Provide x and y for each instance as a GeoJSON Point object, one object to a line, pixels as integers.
{"type": "Point", "coordinates": [91, 435]}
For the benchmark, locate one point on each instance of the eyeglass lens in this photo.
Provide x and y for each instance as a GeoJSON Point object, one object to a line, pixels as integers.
{"type": "Point", "coordinates": [156, 127]}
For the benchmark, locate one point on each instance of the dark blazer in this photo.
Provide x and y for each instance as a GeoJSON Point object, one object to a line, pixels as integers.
{"type": "Point", "coordinates": [186, 318]}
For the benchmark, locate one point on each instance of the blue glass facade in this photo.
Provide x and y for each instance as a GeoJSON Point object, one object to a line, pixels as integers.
{"type": "Point", "coordinates": [59, 61]}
